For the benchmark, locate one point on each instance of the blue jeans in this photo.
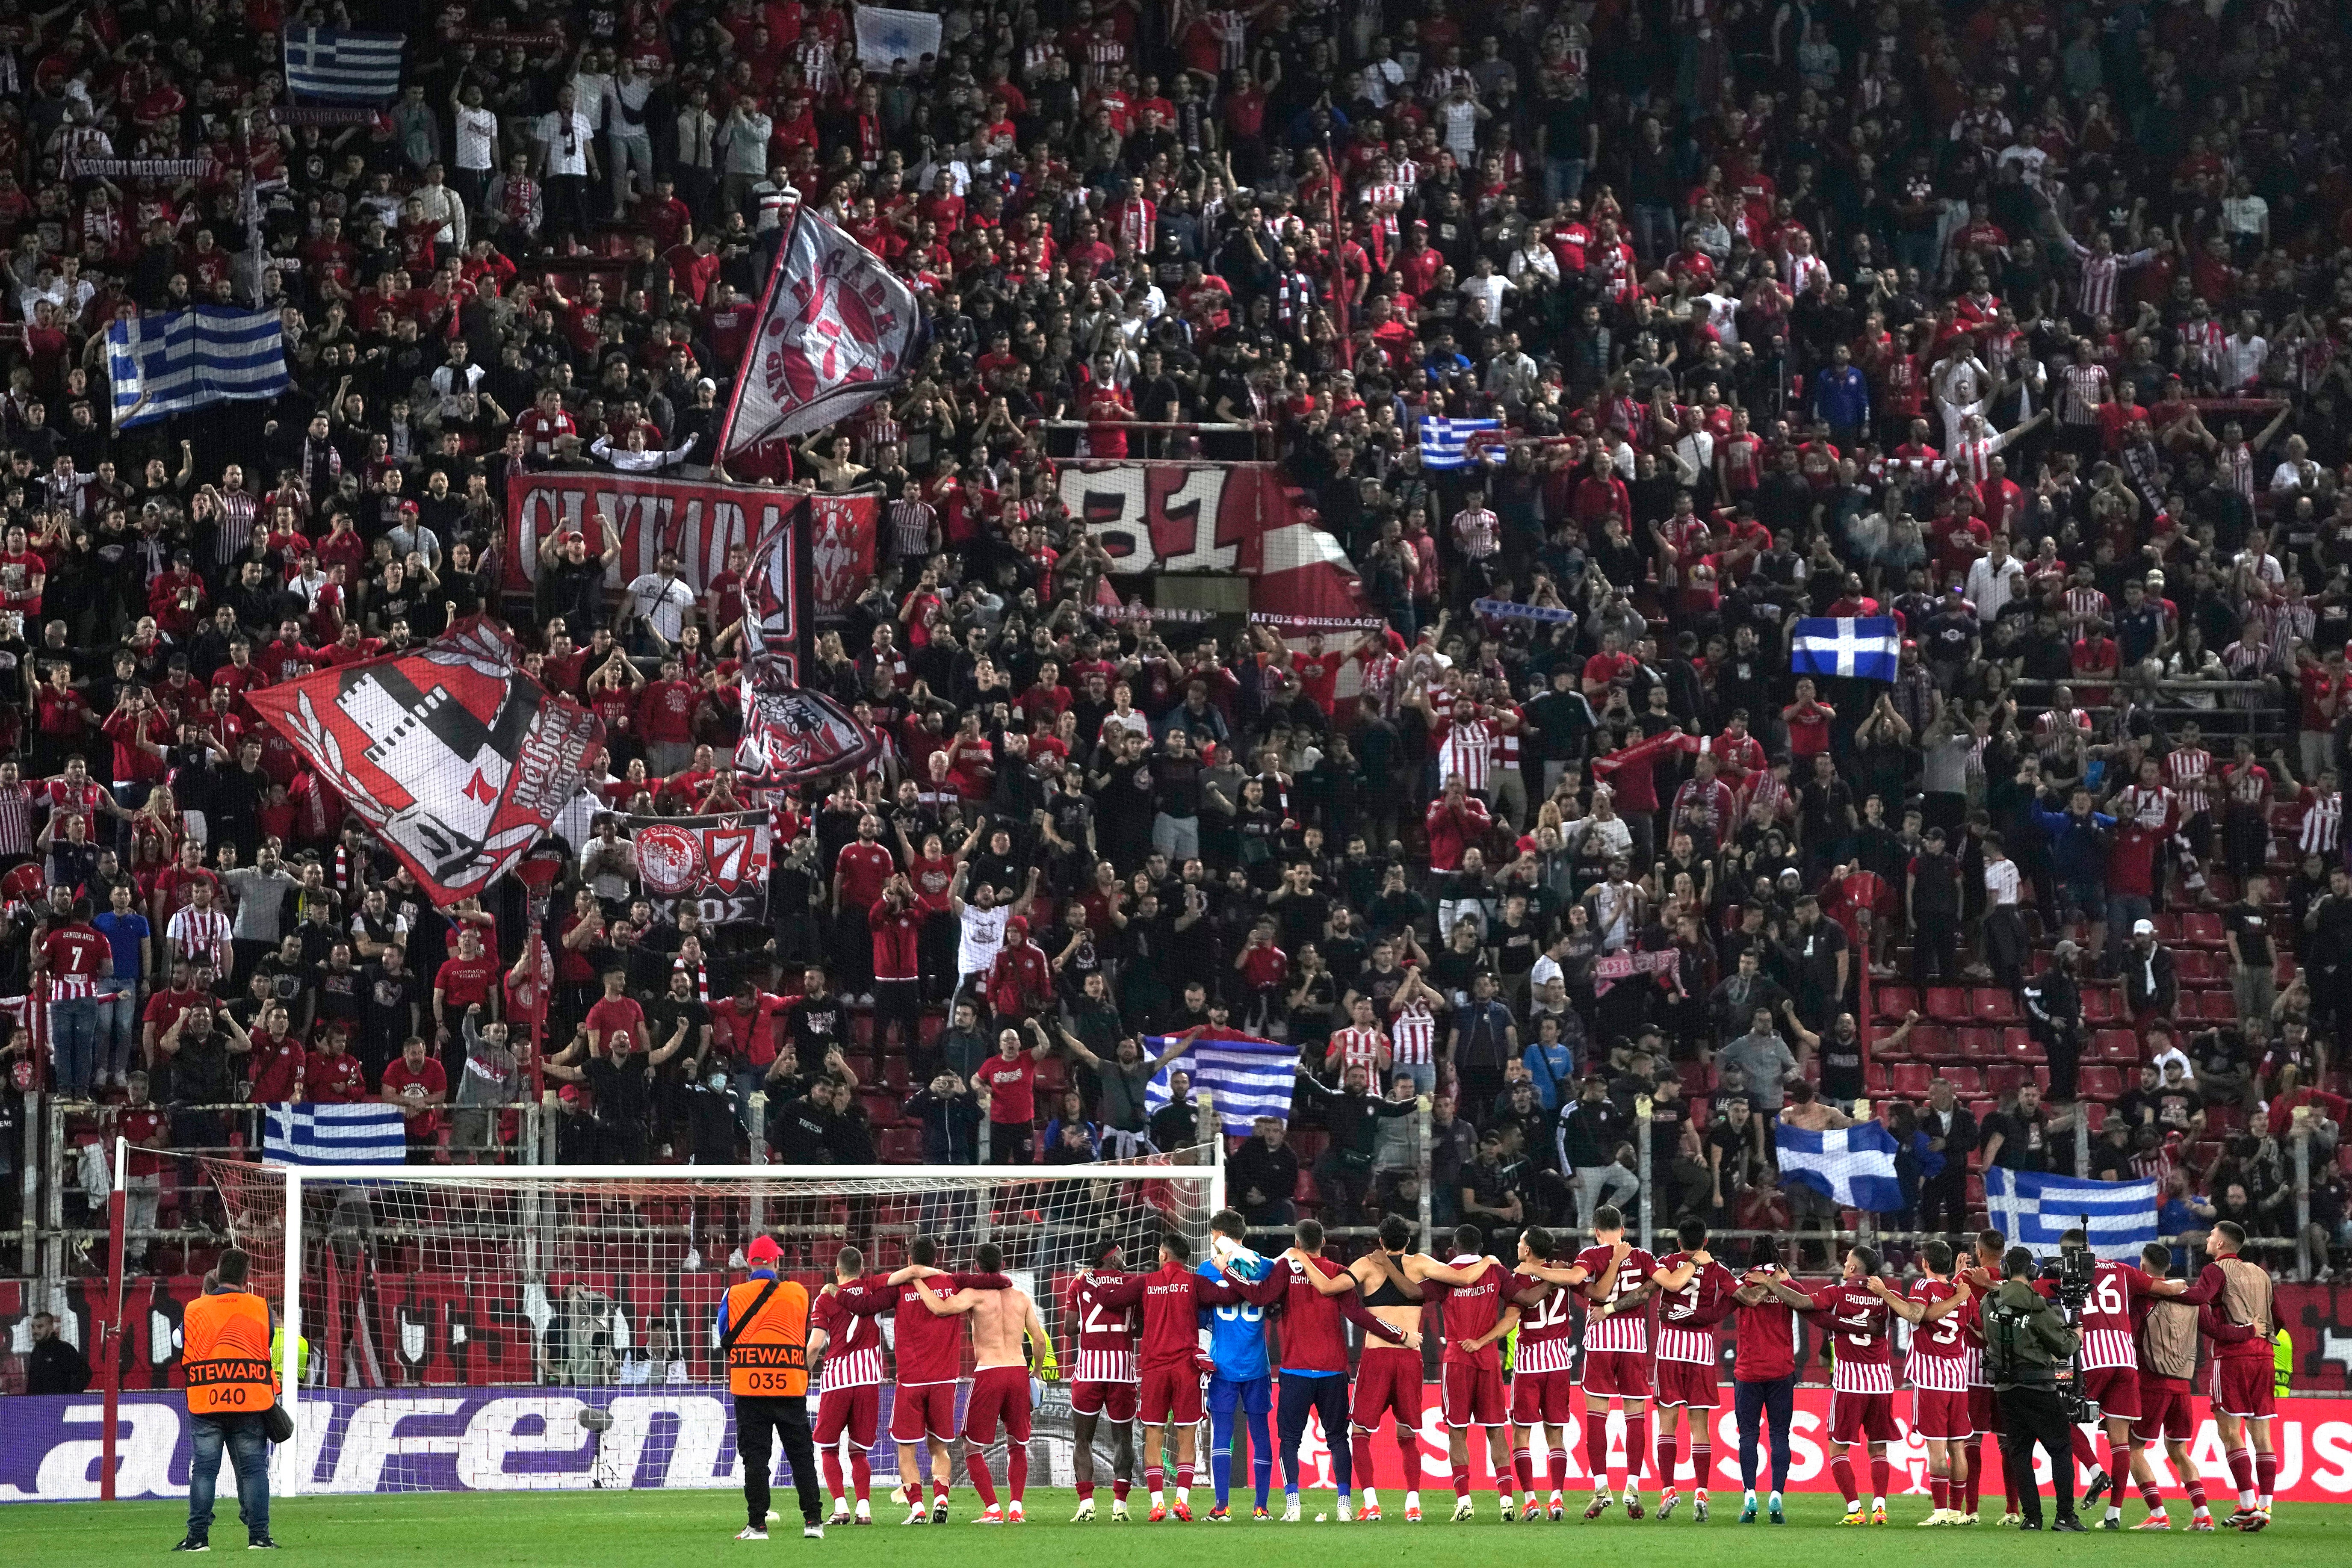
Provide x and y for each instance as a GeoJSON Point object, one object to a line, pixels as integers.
{"type": "Point", "coordinates": [73, 1035]}
{"type": "Point", "coordinates": [117, 1028]}
{"type": "Point", "coordinates": [1653, 234]}
{"type": "Point", "coordinates": [1764, 1410]}
{"type": "Point", "coordinates": [1563, 181]}
{"type": "Point", "coordinates": [248, 1451]}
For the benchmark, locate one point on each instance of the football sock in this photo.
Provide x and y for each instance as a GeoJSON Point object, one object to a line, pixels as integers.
{"type": "Point", "coordinates": [1185, 1481]}
{"type": "Point", "coordinates": [1939, 1492]}
{"type": "Point", "coordinates": [1261, 1442]}
{"type": "Point", "coordinates": [1120, 1488]}
{"type": "Point", "coordinates": [2265, 1476]}
{"type": "Point", "coordinates": [1841, 1471]}
{"type": "Point", "coordinates": [2241, 1472]}
{"type": "Point", "coordinates": [1153, 1477]}
{"type": "Point", "coordinates": [1668, 1451]}
{"type": "Point", "coordinates": [1086, 1492]}
{"type": "Point", "coordinates": [940, 1483]}
{"type": "Point", "coordinates": [1524, 1466]}
{"type": "Point", "coordinates": [2085, 1455]}
{"type": "Point", "coordinates": [1461, 1477]}
{"type": "Point", "coordinates": [1637, 1444]}
{"type": "Point", "coordinates": [1220, 1453]}
{"type": "Point", "coordinates": [832, 1473]}
{"type": "Point", "coordinates": [2150, 1495]}
{"type": "Point", "coordinates": [1415, 1468]}
{"type": "Point", "coordinates": [2119, 1466]}
{"type": "Point", "coordinates": [2197, 1494]}
{"type": "Point", "coordinates": [1557, 1466]}
{"type": "Point", "coordinates": [976, 1462]}
{"type": "Point", "coordinates": [1596, 1450]}
{"type": "Point", "coordinates": [1361, 1442]}
{"type": "Point", "coordinates": [1016, 1469]}
{"type": "Point", "coordinates": [1878, 1482]}
{"type": "Point", "coordinates": [1701, 1463]}
{"type": "Point", "coordinates": [861, 1475]}
{"type": "Point", "coordinates": [1971, 1489]}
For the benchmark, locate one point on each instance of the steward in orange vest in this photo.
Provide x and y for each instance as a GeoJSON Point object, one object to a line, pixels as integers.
{"type": "Point", "coordinates": [225, 1361]}
{"type": "Point", "coordinates": [764, 1339]}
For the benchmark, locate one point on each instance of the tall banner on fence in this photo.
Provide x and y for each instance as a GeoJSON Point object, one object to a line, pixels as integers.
{"type": "Point", "coordinates": [718, 865]}
{"type": "Point", "coordinates": [701, 520]}
{"type": "Point", "coordinates": [1216, 517]}
{"type": "Point", "coordinates": [840, 544]}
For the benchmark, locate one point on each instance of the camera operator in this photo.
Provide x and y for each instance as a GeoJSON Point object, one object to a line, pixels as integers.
{"type": "Point", "coordinates": [2030, 1357]}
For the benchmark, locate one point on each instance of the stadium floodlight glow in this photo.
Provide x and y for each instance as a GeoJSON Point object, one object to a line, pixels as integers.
{"type": "Point", "coordinates": [551, 1327]}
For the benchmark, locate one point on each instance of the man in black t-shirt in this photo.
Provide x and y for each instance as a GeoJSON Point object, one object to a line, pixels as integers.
{"type": "Point", "coordinates": [2246, 926]}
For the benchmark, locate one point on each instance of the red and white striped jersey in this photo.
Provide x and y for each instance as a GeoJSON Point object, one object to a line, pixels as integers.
{"type": "Point", "coordinates": [70, 955]}
{"type": "Point", "coordinates": [1858, 1324]}
{"type": "Point", "coordinates": [1504, 750]}
{"type": "Point", "coordinates": [1467, 749]}
{"type": "Point", "coordinates": [1412, 1035]}
{"type": "Point", "coordinates": [2323, 822]}
{"type": "Point", "coordinates": [2081, 390]}
{"type": "Point", "coordinates": [2190, 771]}
{"type": "Point", "coordinates": [1477, 532]}
{"type": "Point", "coordinates": [2086, 604]}
{"type": "Point", "coordinates": [853, 1351]}
{"type": "Point", "coordinates": [1632, 1331]}
{"type": "Point", "coordinates": [1685, 1329]}
{"type": "Point", "coordinates": [1357, 1047]}
{"type": "Point", "coordinates": [1105, 58]}
{"type": "Point", "coordinates": [1543, 1329]}
{"type": "Point", "coordinates": [2108, 1324]}
{"type": "Point", "coordinates": [1104, 1350]}
{"type": "Point", "coordinates": [204, 936]}
{"type": "Point", "coordinates": [1943, 1358]}
{"type": "Point", "coordinates": [2234, 464]}
{"type": "Point", "coordinates": [2052, 721]}
{"type": "Point", "coordinates": [2148, 809]}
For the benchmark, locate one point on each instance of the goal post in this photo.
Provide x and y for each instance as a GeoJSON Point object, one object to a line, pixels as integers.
{"type": "Point", "coordinates": [518, 1327]}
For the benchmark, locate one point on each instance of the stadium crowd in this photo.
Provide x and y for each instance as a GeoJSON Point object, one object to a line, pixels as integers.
{"type": "Point", "coordinates": [2024, 325]}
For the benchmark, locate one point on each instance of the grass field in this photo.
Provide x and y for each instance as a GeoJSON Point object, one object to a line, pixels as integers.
{"type": "Point", "coordinates": [677, 1529]}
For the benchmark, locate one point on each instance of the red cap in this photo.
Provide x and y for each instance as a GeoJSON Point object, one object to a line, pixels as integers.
{"type": "Point", "coordinates": [763, 1249]}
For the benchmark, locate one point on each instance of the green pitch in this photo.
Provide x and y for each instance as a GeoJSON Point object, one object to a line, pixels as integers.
{"type": "Point", "coordinates": [672, 1530]}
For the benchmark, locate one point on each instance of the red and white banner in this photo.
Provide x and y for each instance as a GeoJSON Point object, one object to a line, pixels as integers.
{"type": "Point", "coordinates": [456, 760]}
{"type": "Point", "coordinates": [837, 330]}
{"type": "Point", "coordinates": [840, 542]}
{"type": "Point", "coordinates": [717, 864]}
{"type": "Point", "coordinates": [1216, 517]}
{"type": "Point", "coordinates": [701, 520]}
{"type": "Point", "coordinates": [789, 734]}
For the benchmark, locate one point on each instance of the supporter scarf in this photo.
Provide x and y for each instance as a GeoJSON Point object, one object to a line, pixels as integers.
{"type": "Point", "coordinates": [75, 168]}
{"type": "Point", "coordinates": [1504, 609]}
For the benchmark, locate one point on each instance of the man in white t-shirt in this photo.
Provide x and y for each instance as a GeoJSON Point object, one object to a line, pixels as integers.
{"type": "Point", "coordinates": [658, 603]}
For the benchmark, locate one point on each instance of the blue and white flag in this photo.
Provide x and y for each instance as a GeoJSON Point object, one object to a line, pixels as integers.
{"type": "Point", "coordinates": [885, 36]}
{"type": "Point", "coordinates": [344, 68]}
{"type": "Point", "coordinates": [1854, 1167]}
{"type": "Point", "coordinates": [1866, 646]}
{"type": "Point", "coordinates": [174, 360]}
{"type": "Point", "coordinates": [1447, 443]}
{"type": "Point", "coordinates": [371, 1135]}
{"type": "Point", "coordinates": [1248, 1077]}
{"type": "Point", "coordinates": [2034, 1210]}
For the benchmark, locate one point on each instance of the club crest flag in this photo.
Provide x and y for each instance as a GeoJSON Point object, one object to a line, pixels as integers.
{"type": "Point", "coordinates": [717, 864]}
{"type": "Point", "coordinates": [458, 759]}
{"type": "Point", "coordinates": [789, 733]}
{"type": "Point", "coordinates": [837, 332]}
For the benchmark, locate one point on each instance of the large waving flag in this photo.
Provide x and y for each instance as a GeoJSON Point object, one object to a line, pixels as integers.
{"type": "Point", "coordinates": [2034, 1210]}
{"type": "Point", "coordinates": [173, 360]}
{"type": "Point", "coordinates": [370, 1134]}
{"type": "Point", "coordinates": [837, 330]}
{"type": "Point", "coordinates": [1451, 443]}
{"type": "Point", "coordinates": [1854, 1167]}
{"type": "Point", "coordinates": [1248, 1077]}
{"type": "Point", "coordinates": [885, 36]}
{"type": "Point", "coordinates": [343, 66]}
{"type": "Point", "coordinates": [456, 759]}
{"type": "Point", "coordinates": [1866, 646]}
{"type": "Point", "coordinates": [790, 733]}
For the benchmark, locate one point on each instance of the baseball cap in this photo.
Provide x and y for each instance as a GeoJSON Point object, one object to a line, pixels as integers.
{"type": "Point", "coordinates": [2143, 928]}
{"type": "Point", "coordinates": [763, 1249]}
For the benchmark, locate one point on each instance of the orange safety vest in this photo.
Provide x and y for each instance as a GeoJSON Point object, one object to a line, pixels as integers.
{"type": "Point", "coordinates": [767, 1346]}
{"type": "Point", "coordinates": [225, 1355]}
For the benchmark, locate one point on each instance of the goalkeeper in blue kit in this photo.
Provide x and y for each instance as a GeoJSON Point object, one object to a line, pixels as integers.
{"type": "Point", "coordinates": [1244, 1377]}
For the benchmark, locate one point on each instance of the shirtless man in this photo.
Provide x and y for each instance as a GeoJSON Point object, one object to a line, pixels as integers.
{"type": "Point", "coordinates": [999, 1380]}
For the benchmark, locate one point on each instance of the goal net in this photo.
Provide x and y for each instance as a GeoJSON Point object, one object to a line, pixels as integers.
{"type": "Point", "coordinates": [550, 1327]}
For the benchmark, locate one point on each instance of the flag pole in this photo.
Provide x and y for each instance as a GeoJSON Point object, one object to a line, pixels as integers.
{"type": "Point", "coordinates": [787, 226]}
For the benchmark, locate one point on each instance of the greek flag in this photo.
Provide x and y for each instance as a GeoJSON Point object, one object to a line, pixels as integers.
{"type": "Point", "coordinates": [1249, 1077]}
{"type": "Point", "coordinates": [334, 1135]}
{"type": "Point", "coordinates": [885, 35]}
{"type": "Point", "coordinates": [344, 68]}
{"type": "Point", "coordinates": [1853, 1166]}
{"type": "Point", "coordinates": [1866, 647]}
{"type": "Point", "coordinates": [171, 361]}
{"type": "Point", "coordinates": [2034, 1210]}
{"type": "Point", "coordinates": [1446, 443]}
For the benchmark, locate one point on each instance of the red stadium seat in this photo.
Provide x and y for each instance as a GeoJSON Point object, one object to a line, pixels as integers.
{"type": "Point", "coordinates": [1894, 1000]}
{"type": "Point", "coordinates": [1873, 1079]}
{"type": "Point", "coordinates": [2202, 928]}
{"type": "Point", "coordinates": [901, 1146]}
{"type": "Point", "coordinates": [881, 1110]}
{"type": "Point", "coordinates": [1934, 1043]}
{"type": "Point", "coordinates": [1965, 1081]}
{"type": "Point", "coordinates": [1949, 1003]}
{"type": "Point", "coordinates": [2168, 927]}
{"type": "Point", "coordinates": [2102, 1004]}
{"type": "Point", "coordinates": [1979, 1044]}
{"type": "Point", "coordinates": [2195, 965]}
{"type": "Point", "coordinates": [1910, 1080]}
{"type": "Point", "coordinates": [2100, 1083]}
{"type": "Point", "coordinates": [2215, 1007]}
{"type": "Point", "coordinates": [2095, 1112]}
{"type": "Point", "coordinates": [2115, 1046]}
{"type": "Point", "coordinates": [1993, 1004]}
{"type": "Point", "coordinates": [2003, 1077]}
{"type": "Point", "coordinates": [2018, 1046]}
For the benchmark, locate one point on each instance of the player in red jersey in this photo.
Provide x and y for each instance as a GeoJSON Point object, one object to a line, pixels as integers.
{"type": "Point", "coordinates": [1543, 1380]}
{"type": "Point", "coordinates": [2166, 1332]}
{"type": "Point", "coordinates": [1695, 1294]}
{"type": "Point", "coordinates": [850, 1397]}
{"type": "Point", "coordinates": [1616, 1355]}
{"type": "Point", "coordinates": [1471, 1289]}
{"type": "Point", "coordinates": [1941, 1359]}
{"type": "Point", "coordinates": [1861, 1383]}
{"type": "Point", "coordinates": [1103, 1378]}
{"type": "Point", "coordinates": [1763, 1375]}
{"type": "Point", "coordinates": [2240, 1291]}
{"type": "Point", "coordinates": [1168, 1362]}
{"type": "Point", "coordinates": [2110, 1363]}
{"type": "Point", "coordinates": [930, 1362]}
{"type": "Point", "coordinates": [1001, 1319]}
